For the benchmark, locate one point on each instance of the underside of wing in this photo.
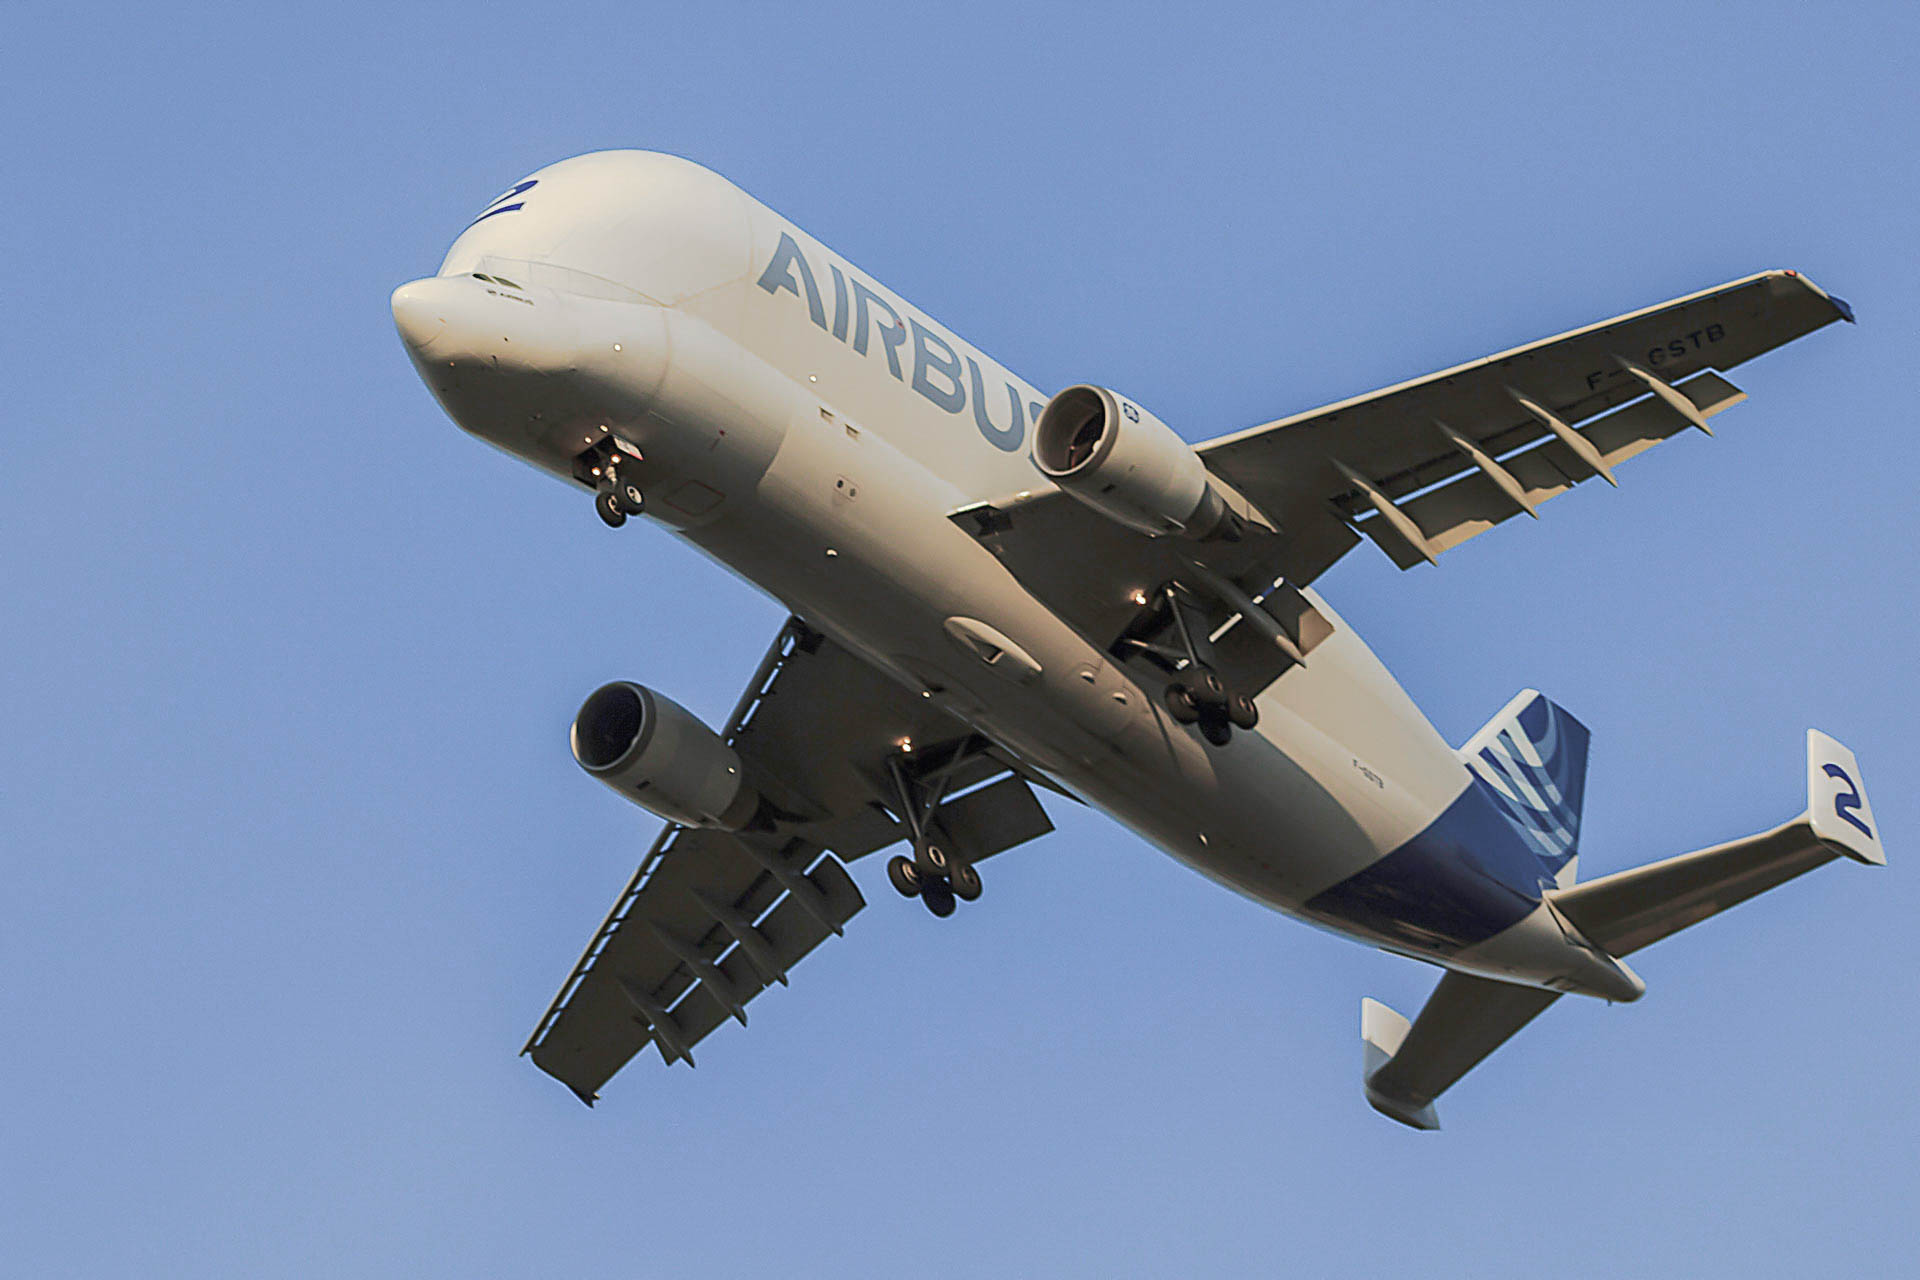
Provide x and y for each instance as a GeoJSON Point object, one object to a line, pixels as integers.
{"type": "Point", "coordinates": [711, 922]}
{"type": "Point", "coordinates": [1419, 468]}
{"type": "Point", "coordinates": [1423, 466]}
{"type": "Point", "coordinates": [1122, 588]}
{"type": "Point", "coordinates": [713, 918]}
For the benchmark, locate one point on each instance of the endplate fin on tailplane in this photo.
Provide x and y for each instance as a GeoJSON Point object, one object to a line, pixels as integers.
{"type": "Point", "coordinates": [1408, 1065]}
{"type": "Point", "coordinates": [1531, 760]}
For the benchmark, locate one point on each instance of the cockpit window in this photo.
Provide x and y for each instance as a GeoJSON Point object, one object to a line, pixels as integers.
{"type": "Point", "coordinates": [496, 280]}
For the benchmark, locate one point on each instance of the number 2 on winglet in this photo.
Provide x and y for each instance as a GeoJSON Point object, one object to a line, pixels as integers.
{"type": "Point", "coordinates": [1847, 801]}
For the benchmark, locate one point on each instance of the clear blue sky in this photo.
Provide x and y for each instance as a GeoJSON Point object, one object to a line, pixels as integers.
{"type": "Point", "coordinates": [295, 853]}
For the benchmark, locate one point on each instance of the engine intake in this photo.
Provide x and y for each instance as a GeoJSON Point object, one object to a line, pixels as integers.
{"type": "Point", "coordinates": [657, 754]}
{"type": "Point", "coordinates": [1128, 465]}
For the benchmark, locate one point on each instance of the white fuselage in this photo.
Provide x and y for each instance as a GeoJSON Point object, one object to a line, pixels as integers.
{"type": "Point", "coordinates": [811, 431]}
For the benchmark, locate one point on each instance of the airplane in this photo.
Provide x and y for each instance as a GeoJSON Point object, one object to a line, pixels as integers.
{"type": "Point", "coordinates": [996, 593]}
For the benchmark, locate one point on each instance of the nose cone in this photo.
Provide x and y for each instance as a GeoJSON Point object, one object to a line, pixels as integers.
{"type": "Point", "coordinates": [472, 322]}
{"type": "Point", "coordinates": [420, 314]}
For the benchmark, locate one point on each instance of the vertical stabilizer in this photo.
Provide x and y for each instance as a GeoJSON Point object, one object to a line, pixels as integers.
{"type": "Point", "coordinates": [1531, 759]}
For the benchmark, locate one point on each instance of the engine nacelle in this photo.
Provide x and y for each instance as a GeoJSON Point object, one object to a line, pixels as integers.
{"type": "Point", "coordinates": [657, 754]}
{"type": "Point", "coordinates": [1127, 464]}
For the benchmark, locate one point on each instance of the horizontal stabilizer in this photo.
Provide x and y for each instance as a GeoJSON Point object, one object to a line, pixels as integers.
{"type": "Point", "coordinates": [1408, 1065]}
{"type": "Point", "coordinates": [1466, 1018]}
{"type": "Point", "coordinates": [1632, 909]}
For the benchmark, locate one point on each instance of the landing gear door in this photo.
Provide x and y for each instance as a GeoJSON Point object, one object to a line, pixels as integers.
{"type": "Point", "coordinates": [994, 818]}
{"type": "Point", "coordinates": [594, 465]}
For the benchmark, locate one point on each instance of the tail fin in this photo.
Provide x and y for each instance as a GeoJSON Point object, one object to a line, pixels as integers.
{"type": "Point", "coordinates": [1531, 759]}
{"type": "Point", "coordinates": [1408, 1065]}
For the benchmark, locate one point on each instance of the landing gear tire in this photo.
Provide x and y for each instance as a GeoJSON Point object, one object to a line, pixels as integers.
{"type": "Point", "coordinates": [966, 882]}
{"type": "Point", "coordinates": [1181, 704]}
{"type": "Point", "coordinates": [904, 876]}
{"type": "Point", "coordinates": [938, 897]}
{"type": "Point", "coordinates": [609, 508]}
{"type": "Point", "coordinates": [1207, 689]}
{"type": "Point", "coordinates": [628, 498]}
{"type": "Point", "coordinates": [934, 859]}
{"type": "Point", "coordinates": [1218, 732]}
{"type": "Point", "coordinates": [1242, 712]}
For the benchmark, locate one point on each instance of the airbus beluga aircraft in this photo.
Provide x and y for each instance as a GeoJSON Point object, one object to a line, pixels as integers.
{"type": "Point", "coordinates": [995, 591]}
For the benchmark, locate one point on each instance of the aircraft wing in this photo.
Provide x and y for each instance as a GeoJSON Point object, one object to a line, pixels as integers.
{"type": "Point", "coordinates": [1423, 466]}
{"type": "Point", "coordinates": [1534, 413]}
{"type": "Point", "coordinates": [711, 919]}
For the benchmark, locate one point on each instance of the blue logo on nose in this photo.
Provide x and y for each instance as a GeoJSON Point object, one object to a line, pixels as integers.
{"type": "Point", "coordinates": [507, 201]}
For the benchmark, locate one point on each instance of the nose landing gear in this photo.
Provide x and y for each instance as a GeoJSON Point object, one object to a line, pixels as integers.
{"type": "Point", "coordinates": [610, 466]}
{"type": "Point", "coordinates": [616, 501]}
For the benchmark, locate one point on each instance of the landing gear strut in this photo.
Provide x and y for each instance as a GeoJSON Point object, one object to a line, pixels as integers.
{"type": "Point", "coordinates": [934, 874]}
{"type": "Point", "coordinates": [1196, 694]}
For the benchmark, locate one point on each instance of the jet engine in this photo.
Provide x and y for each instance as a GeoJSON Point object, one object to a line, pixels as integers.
{"type": "Point", "coordinates": [1128, 465]}
{"type": "Point", "coordinates": [657, 754]}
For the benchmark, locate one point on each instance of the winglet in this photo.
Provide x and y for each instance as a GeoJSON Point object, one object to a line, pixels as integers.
{"type": "Point", "coordinates": [1383, 1031]}
{"type": "Point", "coordinates": [1837, 807]}
{"type": "Point", "coordinates": [1840, 304]}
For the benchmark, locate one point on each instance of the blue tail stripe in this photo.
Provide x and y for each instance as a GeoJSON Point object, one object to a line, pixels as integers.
{"type": "Point", "coordinates": [1460, 881]}
{"type": "Point", "coordinates": [1542, 800]}
{"type": "Point", "coordinates": [1482, 865]}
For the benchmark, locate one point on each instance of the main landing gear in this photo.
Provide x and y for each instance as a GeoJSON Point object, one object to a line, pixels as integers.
{"type": "Point", "coordinates": [611, 467]}
{"type": "Point", "coordinates": [1196, 694]}
{"type": "Point", "coordinates": [916, 877]}
{"type": "Point", "coordinates": [934, 874]}
{"type": "Point", "coordinates": [1203, 700]}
